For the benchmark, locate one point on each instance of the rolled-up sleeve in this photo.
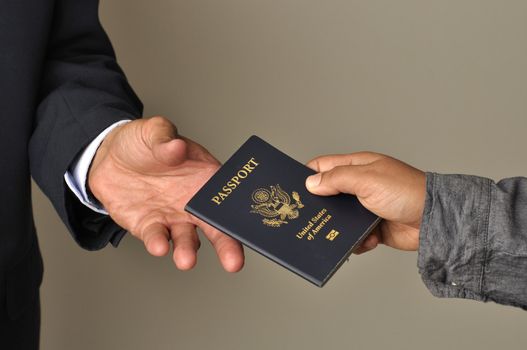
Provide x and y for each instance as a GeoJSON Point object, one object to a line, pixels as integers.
{"type": "Point", "coordinates": [473, 239]}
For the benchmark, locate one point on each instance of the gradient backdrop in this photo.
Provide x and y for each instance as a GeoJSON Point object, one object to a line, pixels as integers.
{"type": "Point", "coordinates": [439, 84]}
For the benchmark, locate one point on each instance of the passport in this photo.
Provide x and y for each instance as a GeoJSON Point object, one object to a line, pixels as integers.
{"type": "Point", "coordinates": [259, 198]}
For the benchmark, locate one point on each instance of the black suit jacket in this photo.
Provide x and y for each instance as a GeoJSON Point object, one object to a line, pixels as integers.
{"type": "Point", "coordinates": [60, 86]}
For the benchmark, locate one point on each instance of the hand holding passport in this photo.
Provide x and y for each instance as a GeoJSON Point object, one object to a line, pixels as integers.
{"type": "Point", "coordinates": [259, 197]}
{"type": "Point", "coordinates": [388, 187]}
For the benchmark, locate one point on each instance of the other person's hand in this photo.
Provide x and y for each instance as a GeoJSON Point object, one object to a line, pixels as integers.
{"type": "Point", "coordinates": [143, 174]}
{"type": "Point", "coordinates": [386, 186]}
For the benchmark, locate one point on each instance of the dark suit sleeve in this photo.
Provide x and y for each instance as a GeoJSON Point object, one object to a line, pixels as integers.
{"type": "Point", "coordinates": [83, 91]}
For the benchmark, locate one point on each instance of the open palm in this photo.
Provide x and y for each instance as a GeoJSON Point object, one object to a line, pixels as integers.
{"type": "Point", "coordinates": [144, 174]}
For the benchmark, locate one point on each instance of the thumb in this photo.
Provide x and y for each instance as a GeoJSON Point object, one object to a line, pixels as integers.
{"type": "Point", "coordinates": [161, 138]}
{"type": "Point", "coordinates": [340, 179]}
{"type": "Point", "coordinates": [171, 153]}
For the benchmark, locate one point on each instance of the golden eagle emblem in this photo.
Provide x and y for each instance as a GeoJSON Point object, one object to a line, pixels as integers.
{"type": "Point", "coordinates": [275, 205]}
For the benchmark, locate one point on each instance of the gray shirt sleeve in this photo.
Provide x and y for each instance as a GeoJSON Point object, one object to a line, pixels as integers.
{"type": "Point", "coordinates": [473, 239]}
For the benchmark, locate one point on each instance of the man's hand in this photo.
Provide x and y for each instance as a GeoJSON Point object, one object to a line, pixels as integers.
{"type": "Point", "coordinates": [386, 186]}
{"type": "Point", "coordinates": [143, 174]}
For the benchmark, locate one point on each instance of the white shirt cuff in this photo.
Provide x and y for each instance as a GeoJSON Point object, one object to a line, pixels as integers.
{"type": "Point", "coordinates": [77, 174]}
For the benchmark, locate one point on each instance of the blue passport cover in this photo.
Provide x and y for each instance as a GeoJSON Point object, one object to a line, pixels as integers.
{"type": "Point", "coordinates": [259, 198]}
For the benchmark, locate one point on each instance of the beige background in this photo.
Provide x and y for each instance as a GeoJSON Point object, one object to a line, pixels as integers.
{"type": "Point", "coordinates": [440, 84]}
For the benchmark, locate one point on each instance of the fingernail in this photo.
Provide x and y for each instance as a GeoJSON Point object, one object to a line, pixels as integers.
{"type": "Point", "coordinates": [313, 180]}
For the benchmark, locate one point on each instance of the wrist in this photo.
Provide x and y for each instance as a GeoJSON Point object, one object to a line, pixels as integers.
{"type": "Point", "coordinates": [420, 198]}
{"type": "Point", "coordinates": [95, 172]}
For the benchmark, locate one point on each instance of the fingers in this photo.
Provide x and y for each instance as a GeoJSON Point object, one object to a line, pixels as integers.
{"type": "Point", "coordinates": [186, 244]}
{"type": "Point", "coordinates": [230, 251]}
{"type": "Point", "coordinates": [325, 163]}
{"type": "Point", "coordinates": [155, 237]}
{"type": "Point", "coordinates": [370, 243]}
